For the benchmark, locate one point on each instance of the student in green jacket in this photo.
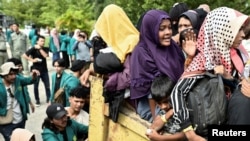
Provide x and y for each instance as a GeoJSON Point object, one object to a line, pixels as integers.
{"type": "Point", "coordinates": [59, 127]}
{"type": "Point", "coordinates": [11, 96]}
{"type": "Point", "coordinates": [18, 63]}
{"type": "Point", "coordinates": [64, 42]}
{"type": "Point", "coordinates": [61, 79]}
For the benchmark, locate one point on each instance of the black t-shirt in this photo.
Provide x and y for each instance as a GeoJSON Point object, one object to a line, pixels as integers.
{"type": "Point", "coordinates": [35, 53]}
{"type": "Point", "coordinates": [58, 82]}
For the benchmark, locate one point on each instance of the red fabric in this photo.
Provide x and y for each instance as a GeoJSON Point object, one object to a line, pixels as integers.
{"type": "Point", "coordinates": [236, 60]}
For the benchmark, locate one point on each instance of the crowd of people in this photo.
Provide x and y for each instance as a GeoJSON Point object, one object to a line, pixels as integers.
{"type": "Point", "coordinates": [158, 62]}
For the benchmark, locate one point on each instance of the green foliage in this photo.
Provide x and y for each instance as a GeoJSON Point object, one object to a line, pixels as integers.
{"type": "Point", "coordinates": [71, 14]}
{"type": "Point", "coordinates": [73, 19]}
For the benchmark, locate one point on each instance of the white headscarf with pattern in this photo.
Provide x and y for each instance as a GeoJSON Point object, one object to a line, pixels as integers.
{"type": "Point", "coordinates": [215, 39]}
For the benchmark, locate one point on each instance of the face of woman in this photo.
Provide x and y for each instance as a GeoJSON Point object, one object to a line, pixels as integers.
{"type": "Point", "coordinates": [183, 24]}
{"type": "Point", "coordinates": [239, 37]}
{"type": "Point", "coordinates": [165, 32]}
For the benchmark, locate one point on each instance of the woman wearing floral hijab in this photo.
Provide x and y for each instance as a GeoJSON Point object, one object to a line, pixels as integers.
{"type": "Point", "coordinates": [218, 39]}
{"type": "Point", "coordinates": [156, 54]}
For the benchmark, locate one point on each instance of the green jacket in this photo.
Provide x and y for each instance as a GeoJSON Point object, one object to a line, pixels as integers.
{"type": "Point", "coordinates": [71, 45]}
{"type": "Point", "coordinates": [8, 35]}
{"type": "Point", "coordinates": [31, 33]}
{"type": "Point", "coordinates": [72, 130]}
{"type": "Point", "coordinates": [67, 83]}
{"type": "Point", "coordinates": [19, 82]}
{"type": "Point", "coordinates": [27, 97]}
{"type": "Point", "coordinates": [34, 40]}
{"type": "Point", "coordinates": [52, 46]}
{"type": "Point", "coordinates": [64, 41]}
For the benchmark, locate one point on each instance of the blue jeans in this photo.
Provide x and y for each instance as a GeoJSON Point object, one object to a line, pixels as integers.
{"type": "Point", "coordinates": [143, 108]}
{"type": "Point", "coordinates": [6, 130]}
{"type": "Point", "coordinates": [45, 78]}
{"type": "Point", "coordinates": [56, 55]}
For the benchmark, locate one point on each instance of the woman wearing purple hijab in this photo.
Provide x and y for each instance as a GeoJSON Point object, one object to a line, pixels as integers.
{"type": "Point", "coordinates": [156, 54]}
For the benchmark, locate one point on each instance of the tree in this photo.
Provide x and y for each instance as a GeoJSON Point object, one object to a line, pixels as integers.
{"type": "Point", "coordinates": [49, 12]}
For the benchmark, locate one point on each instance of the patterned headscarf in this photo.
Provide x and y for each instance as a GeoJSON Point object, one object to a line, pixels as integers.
{"type": "Point", "coordinates": [116, 29]}
{"type": "Point", "coordinates": [215, 39]}
{"type": "Point", "coordinates": [149, 59]}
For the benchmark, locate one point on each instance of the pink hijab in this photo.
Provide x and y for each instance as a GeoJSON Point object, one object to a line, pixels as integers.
{"type": "Point", "coordinates": [55, 37]}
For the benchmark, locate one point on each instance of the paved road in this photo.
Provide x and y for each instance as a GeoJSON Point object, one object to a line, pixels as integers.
{"type": "Point", "coordinates": [35, 119]}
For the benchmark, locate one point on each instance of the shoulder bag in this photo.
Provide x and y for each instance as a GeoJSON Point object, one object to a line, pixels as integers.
{"type": "Point", "coordinates": [8, 118]}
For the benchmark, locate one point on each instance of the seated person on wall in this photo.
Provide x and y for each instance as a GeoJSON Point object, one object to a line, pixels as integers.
{"type": "Point", "coordinates": [112, 58]}
{"type": "Point", "coordinates": [161, 89]}
{"type": "Point", "coordinates": [121, 36]}
{"type": "Point", "coordinates": [155, 54]}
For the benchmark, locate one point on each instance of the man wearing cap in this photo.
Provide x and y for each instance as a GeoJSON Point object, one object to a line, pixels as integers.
{"type": "Point", "coordinates": [3, 48]}
{"type": "Point", "coordinates": [11, 96]}
{"type": "Point", "coordinates": [59, 127]}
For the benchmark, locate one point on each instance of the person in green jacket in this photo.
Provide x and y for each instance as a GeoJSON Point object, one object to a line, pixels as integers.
{"type": "Point", "coordinates": [35, 35]}
{"type": "Point", "coordinates": [54, 44]}
{"type": "Point", "coordinates": [11, 96]}
{"type": "Point", "coordinates": [64, 41]}
{"type": "Point", "coordinates": [57, 126]}
{"type": "Point", "coordinates": [9, 32]}
{"type": "Point", "coordinates": [18, 63]}
{"type": "Point", "coordinates": [72, 42]}
{"type": "Point", "coordinates": [32, 31]}
{"type": "Point", "coordinates": [61, 79]}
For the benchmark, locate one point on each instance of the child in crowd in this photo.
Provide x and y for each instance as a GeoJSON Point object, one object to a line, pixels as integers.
{"type": "Point", "coordinates": [161, 89]}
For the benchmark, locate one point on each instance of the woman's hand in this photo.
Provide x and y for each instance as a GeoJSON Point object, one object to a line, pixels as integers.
{"type": "Point", "coordinates": [245, 87]}
{"type": "Point", "coordinates": [220, 69]}
{"type": "Point", "coordinates": [188, 45]}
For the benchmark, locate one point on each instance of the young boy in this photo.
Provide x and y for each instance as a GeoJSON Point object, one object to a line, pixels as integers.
{"type": "Point", "coordinates": [161, 89]}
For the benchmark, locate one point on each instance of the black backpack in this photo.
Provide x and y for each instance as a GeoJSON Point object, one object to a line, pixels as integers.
{"type": "Point", "coordinates": [207, 103]}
